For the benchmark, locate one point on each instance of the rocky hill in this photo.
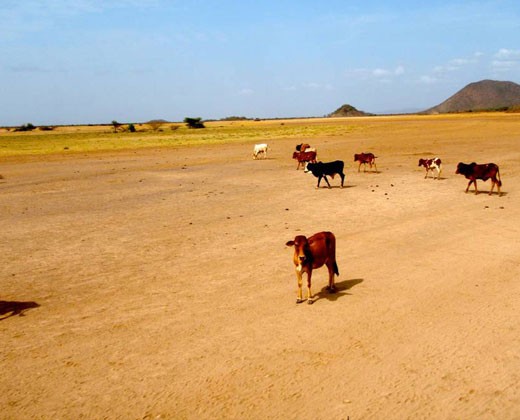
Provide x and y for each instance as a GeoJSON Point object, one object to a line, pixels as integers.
{"type": "Point", "coordinates": [348, 111]}
{"type": "Point", "coordinates": [480, 96]}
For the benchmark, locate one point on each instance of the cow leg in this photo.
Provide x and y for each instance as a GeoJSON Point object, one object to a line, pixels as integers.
{"type": "Point", "coordinates": [469, 183]}
{"type": "Point", "coordinates": [319, 180]}
{"type": "Point", "coordinates": [475, 183]}
{"type": "Point", "coordinates": [299, 298]}
{"type": "Point", "coordinates": [342, 175]}
{"type": "Point", "coordinates": [492, 186]}
{"type": "Point", "coordinates": [309, 293]}
{"type": "Point", "coordinates": [326, 180]}
{"type": "Point", "coordinates": [332, 286]}
{"type": "Point", "coordinates": [426, 176]}
{"type": "Point", "coordinates": [375, 166]}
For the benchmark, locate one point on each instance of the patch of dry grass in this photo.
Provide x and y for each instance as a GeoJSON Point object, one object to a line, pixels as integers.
{"type": "Point", "coordinates": [85, 139]}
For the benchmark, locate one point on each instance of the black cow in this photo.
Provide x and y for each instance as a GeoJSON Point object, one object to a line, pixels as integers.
{"type": "Point", "coordinates": [485, 171]}
{"type": "Point", "coordinates": [321, 170]}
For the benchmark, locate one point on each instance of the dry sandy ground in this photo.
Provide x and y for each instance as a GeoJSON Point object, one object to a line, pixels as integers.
{"type": "Point", "coordinates": [157, 284]}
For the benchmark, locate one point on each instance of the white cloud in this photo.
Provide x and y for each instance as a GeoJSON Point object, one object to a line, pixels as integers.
{"type": "Point", "coordinates": [399, 70]}
{"type": "Point", "coordinates": [318, 86]}
{"type": "Point", "coordinates": [428, 80]}
{"type": "Point", "coordinates": [506, 54]}
{"type": "Point", "coordinates": [381, 74]}
{"type": "Point", "coordinates": [506, 60]}
{"type": "Point", "coordinates": [246, 92]}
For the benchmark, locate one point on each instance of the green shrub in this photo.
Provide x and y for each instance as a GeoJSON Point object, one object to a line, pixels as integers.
{"type": "Point", "coordinates": [194, 122]}
{"type": "Point", "coordinates": [25, 127]}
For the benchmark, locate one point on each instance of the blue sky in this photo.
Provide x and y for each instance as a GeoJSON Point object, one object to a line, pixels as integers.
{"type": "Point", "coordinates": [93, 61]}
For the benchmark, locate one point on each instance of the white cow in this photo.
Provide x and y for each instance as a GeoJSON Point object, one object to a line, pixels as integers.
{"type": "Point", "coordinates": [260, 149]}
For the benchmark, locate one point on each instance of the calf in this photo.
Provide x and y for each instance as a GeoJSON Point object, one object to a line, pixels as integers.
{"type": "Point", "coordinates": [260, 149]}
{"type": "Point", "coordinates": [433, 164]}
{"type": "Point", "coordinates": [484, 172]}
{"type": "Point", "coordinates": [321, 170]}
{"type": "Point", "coordinates": [314, 252]}
{"type": "Point", "coordinates": [364, 158]}
{"type": "Point", "coordinates": [304, 157]}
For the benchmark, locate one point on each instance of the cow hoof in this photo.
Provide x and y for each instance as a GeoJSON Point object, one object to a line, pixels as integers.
{"type": "Point", "coordinates": [332, 290]}
{"type": "Point", "coordinates": [299, 300]}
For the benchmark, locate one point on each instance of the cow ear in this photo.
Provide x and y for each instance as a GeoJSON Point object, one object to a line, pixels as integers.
{"type": "Point", "coordinates": [289, 243]}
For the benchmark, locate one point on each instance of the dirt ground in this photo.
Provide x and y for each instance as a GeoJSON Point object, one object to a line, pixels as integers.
{"type": "Point", "coordinates": [157, 284]}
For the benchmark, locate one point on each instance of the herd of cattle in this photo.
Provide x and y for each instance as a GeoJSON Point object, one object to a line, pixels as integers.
{"type": "Point", "coordinates": [320, 249]}
{"type": "Point", "coordinates": [306, 156]}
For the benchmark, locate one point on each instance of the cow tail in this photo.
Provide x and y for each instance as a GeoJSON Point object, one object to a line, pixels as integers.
{"type": "Point", "coordinates": [499, 180]}
{"type": "Point", "coordinates": [336, 268]}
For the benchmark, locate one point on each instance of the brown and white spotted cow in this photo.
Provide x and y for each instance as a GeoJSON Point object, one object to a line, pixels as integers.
{"type": "Point", "coordinates": [432, 164]}
{"type": "Point", "coordinates": [314, 252]}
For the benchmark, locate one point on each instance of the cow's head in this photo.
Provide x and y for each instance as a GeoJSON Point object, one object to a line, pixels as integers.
{"type": "Point", "coordinates": [421, 162]}
{"type": "Point", "coordinates": [356, 157]}
{"type": "Point", "coordinates": [301, 250]}
{"type": "Point", "coordinates": [310, 167]}
{"type": "Point", "coordinates": [465, 169]}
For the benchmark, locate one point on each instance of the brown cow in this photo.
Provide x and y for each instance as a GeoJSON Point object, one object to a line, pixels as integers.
{"type": "Point", "coordinates": [364, 158]}
{"type": "Point", "coordinates": [485, 171]}
{"type": "Point", "coordinates": [304, 157]}
{"type": "Point", "coordinates": [314, 252]}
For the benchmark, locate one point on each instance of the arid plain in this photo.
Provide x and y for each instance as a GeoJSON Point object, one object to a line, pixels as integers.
{"type": "Point", "coordinates": [155, 283]}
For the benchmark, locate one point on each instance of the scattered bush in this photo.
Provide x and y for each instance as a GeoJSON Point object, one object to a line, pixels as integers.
{"type": "Point", "coordinates": [131, 128]}
{"type": "Point", "coordinates": [156, 124]}
{"type": "Point", "coordinates": [234, 118]}
{"type": "Point", "coordinates": [116, 125]}
{"type": "Point", "coordinates": [194, 122]}
{"type": "Point", "coordinates": [25, 127]}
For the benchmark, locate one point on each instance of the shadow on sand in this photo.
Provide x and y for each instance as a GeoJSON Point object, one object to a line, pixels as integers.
{"type": "Point", "coordinates": [341, 290]}
{"type": "Point", "coordinates": [12, 308]}
{"type": "Point", "coordinates": [333, 187]}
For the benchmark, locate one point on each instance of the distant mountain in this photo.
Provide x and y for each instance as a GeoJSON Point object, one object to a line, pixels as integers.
{"type": "Point", "coordinates": [348, 111]}
{"type": "Point", "coordinates": [160, 120]}
{"type": "Point", "coordinates": [480, 96]}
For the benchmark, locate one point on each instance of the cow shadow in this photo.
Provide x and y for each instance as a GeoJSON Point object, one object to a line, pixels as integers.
{"type": "Point", "coordinates": [12, 308]}
{"type": "Point", "coordinates": [341, 290]}
{"type": "Point", "coordinates": [486, 193]}
{"type": "Point", "coordinates": [334, 187]}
